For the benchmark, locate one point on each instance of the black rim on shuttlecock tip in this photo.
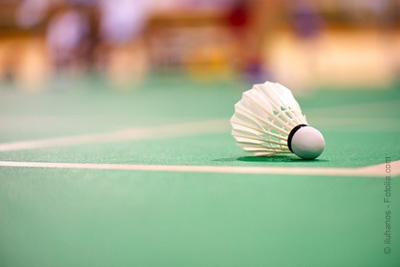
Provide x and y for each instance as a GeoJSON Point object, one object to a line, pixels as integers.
{"type": "Point", "coordinates": [291, 134]}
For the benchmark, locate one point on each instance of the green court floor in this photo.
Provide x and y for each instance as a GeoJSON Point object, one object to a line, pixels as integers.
{"type": "Point", "coordinates": [91, 176]}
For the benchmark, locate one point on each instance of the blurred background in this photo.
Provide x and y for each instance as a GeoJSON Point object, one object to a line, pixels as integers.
{"type": "Point", "coordinates": [300, 43]}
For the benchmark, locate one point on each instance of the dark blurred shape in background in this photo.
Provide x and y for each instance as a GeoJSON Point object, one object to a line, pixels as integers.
{"type": "Point", "coordinates": [301, 43]}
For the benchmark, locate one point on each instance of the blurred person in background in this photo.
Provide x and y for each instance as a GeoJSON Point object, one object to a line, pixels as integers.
{"type": "Point", "coordinates": [70, 39]}
{"type": "Point", "coordinates": [253, 23]}
{"type": "Point", "coordinates": [20, 59]}
{"type": "Point", "coordinates": [119, 54]}
{"type": "Point", "coordinates": [307, 25]}
{"type": "Point", "coordinates": [305, 18]}
{"type": "Point", "coordinates": [121, 20]}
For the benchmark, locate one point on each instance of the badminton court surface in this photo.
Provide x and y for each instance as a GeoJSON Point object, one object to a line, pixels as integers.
{"type": "Point", "coordinates": [152, 177]}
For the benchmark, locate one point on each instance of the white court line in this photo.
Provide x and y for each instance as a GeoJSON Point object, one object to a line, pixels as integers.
{"type": "Point", "coordinates": [167, 131]}
{"type": "Point", "coordinates": [173, 130]}
{"type": "Point", "coordinates": [369, 171]}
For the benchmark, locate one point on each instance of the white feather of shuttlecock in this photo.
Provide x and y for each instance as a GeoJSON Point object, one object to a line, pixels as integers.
{"type": "Point", "coordinates": [264, 117]}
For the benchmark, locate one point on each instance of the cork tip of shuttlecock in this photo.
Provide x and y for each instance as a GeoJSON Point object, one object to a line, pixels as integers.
{"type": "Point", "coordinates": [307, 142]}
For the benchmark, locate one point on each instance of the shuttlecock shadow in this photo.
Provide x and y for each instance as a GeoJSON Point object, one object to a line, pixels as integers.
{"type": "Point", "coordinates": [277, 158]}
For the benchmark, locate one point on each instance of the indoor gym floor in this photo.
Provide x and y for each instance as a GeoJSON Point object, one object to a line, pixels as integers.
{"type": "Point", "coordinates": [152, 177]}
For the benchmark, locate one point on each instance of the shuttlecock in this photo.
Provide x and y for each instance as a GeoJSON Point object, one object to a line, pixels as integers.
{"type": "Point", "coordinates": [268, 121]}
